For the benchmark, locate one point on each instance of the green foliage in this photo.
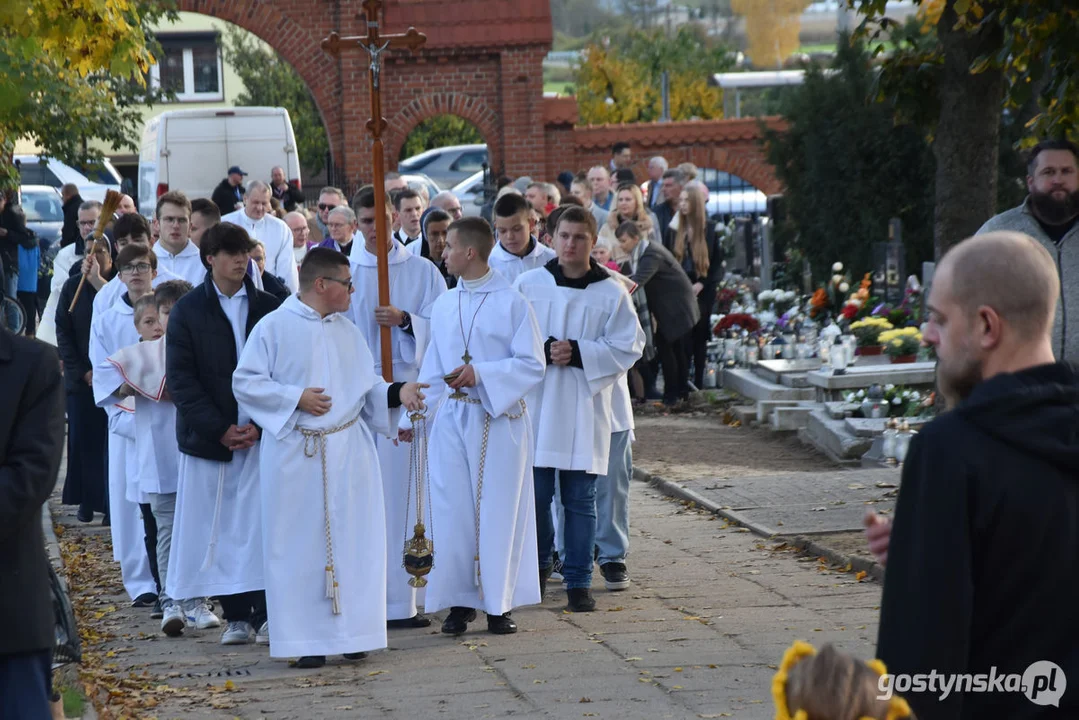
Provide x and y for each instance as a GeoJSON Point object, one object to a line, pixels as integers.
{"type": "Point", "coordinates": [848, 169]}
{"type": "Point", "coordinates": [1032, 42]}
{"type": "Point", "coordinates": [439, 131]}
{"type": "Point", "coordinates": [270, 81]}
{"type": "Point", "coordinates": [629, 73]}
{"type": "Point", "coordinates": [62, 85]}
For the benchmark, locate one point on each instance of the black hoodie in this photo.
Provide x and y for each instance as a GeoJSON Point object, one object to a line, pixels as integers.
{"type": "Point", "coordinates": [983, 566]}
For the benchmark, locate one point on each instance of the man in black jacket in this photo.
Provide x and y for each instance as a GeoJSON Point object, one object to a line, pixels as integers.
{"type": "Point", "coordinates": [31, 441]}
{"type": "Point", "coordinates": [217, 538]}
{"type": "Point", "coordinates": [983, 567]}
{"type": "Point", "coordinates": [289, 195]}
{"type": "Point", "coordinates": [229, 193]}
{"type": "Point", "coordinates": [69, 194]}
{"type": "Point", "coordinates": [671, 301]}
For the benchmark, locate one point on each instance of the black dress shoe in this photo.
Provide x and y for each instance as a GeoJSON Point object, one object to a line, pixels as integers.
{"type": "Point", "coordinates": [458, 619]}
{"type": "Point", "coordinates": [144, 600]}
{"type": "Point", "coordinates": [501, 624]}
{"type": "Point", "coordinates": [85, 515]}
{"type": "Point", "coordinates": [357, 656]}
{"type": "Point", "coordinates": [419, 620]}
{"type": "Point", "coordinates": [310, 662]}
{"type": "Point", "coordinates": [105, 521]}
{"type": "Point", "coordinates": [580, 600]}
{"type": "Point", "coordinates": [545, 574]}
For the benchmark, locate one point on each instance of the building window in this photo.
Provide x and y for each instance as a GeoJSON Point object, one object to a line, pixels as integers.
{"type": "Point", "coordinates": [190, 66]}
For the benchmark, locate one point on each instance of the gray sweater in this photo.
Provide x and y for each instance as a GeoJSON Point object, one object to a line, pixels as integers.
{"type": "Point", "coordinates": [1066, 254]}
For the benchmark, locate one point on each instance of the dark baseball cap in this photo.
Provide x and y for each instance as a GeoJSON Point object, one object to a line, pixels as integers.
{"type": "Point", "coordinates": [235, 170]}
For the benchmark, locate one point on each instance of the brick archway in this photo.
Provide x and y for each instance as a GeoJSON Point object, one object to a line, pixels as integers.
{"type": "Point", "coordinates": [296, 42]}
{"type": "Point", "coordinates": [468, 107]}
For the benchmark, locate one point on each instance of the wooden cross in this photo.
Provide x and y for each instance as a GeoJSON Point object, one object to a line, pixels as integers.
{"type": "Point", "coordinates": [375, 44]}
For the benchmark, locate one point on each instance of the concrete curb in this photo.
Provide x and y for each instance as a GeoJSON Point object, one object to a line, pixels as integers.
{"type": "Point", "coordinates": [800, 542]}
{"type": "Point", "coordinates": [673, 489]}
{"type": "Point", "coordinates": [856, 562]}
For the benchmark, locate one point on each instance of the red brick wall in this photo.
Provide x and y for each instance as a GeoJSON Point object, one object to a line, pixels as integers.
{"type": "Point", "coordinates": [483, 61]}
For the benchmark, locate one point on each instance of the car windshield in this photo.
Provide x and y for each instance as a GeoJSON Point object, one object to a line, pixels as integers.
{"type": "Point", "coordinates": [42, 207]}
{"type": "Point", "coordinates": [100, 174]}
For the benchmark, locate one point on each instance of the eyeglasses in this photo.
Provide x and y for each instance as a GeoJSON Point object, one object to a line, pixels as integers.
{"type": "Point", "coordinates": [87, 223]}
{"type": "Point", "coordinates": [346, 283]}
{"type": "Point", "coordinates": [134, 268]}
{"type": "Point", "coordinates": [323, 206]}
{"type": "Point", "coordinates": [334, 226]}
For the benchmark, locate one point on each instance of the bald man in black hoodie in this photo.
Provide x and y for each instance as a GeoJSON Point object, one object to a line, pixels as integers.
{"type": "Point", "coordinates": [983, 565]}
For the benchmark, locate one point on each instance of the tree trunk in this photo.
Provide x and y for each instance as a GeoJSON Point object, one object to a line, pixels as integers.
{"type": "Point", "coordinates": [968, 134]}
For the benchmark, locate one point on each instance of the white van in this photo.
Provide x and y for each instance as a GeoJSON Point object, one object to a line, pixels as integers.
{"type": "Point", "coordinates": [192, 150]}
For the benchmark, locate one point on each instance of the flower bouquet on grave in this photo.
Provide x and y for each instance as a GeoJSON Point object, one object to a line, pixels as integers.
{"type": "Point", "coordinates": [901, 344]}
{"type": "Point", "coordinates": [867, 334]}
{"type": "Point", "coordinates": [736, 321]}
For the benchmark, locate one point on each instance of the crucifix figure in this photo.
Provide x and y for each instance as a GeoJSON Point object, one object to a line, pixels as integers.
{"type": "Point", "coordinates": [375, 45]}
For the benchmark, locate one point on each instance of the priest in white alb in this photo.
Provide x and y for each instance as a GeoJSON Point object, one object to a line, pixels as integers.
{"type": "Point", "coordinates": [272, 232]}
{"type": "Point", "coordinates": [415, 284]}
{"type": "Point", "coordinates": [593, 337]}
{"type": "Point", "coordinates": [306, 376]}
{"type": "Point", "coordinates": [485, 356]}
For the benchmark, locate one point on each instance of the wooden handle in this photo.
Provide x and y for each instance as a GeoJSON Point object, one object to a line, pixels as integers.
{"type": "Point", "coordinates": [78, 291]}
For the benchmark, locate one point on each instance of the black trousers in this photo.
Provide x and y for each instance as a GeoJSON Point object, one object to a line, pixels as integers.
{"type": "Point", "coordinates": [26, 685]}
{"type": "Point", "coordinates": [149, 538]}
{"type": "Point", "coordinates": [28, 300]}
{"type": "Point", "coordinates": [697, 348]}
{"type": "Point", "coordinates": [672, 358]}
{"type": "Point", "coordinates": [245, 607]}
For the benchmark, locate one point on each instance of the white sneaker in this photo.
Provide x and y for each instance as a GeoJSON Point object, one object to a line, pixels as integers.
{"type": "Point", "coordinates": [172, 623]}
{"type": "Point", "coordinates": [237, 633]}
{"type": "Point", "coordinates": [262, 637]}
{"type": "Point", "coordinates": [200, 617]}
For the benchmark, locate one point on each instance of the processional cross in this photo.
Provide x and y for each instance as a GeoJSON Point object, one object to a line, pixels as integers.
{"type": "Point", "coordinates": [375, 44]}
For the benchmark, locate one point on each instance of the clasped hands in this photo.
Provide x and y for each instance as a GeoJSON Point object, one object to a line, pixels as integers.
{"type": "Point", "coordinates": [561, 352]}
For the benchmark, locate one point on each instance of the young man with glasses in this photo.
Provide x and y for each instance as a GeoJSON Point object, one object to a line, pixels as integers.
{"type": "Point", "coordinates": [175, 251]}
{"type": "Point", "coordinates": [325, 598]}
{"type": "Point", "coordinates": [415, 284]}
{"type": "Point", "coordinates": [111, 329]}
{"type": "Point", "coordinates": [65, 263]}
{"type": "Point", "coordinates": [130, 229]}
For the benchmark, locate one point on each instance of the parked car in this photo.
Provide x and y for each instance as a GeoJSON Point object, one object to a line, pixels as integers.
{"type": "Point", "coordinates": [470, 192]}
{"type": "Point", "coordinates": [447, 166]}
{"type": "Point", "coordinates": [35, 170]}
{"type": "Point", "coordinates": [44, 211]}
{"type": "Point", "coordinates": [192, 150]}
{"type": "Point", "coordinates": [731, 195]}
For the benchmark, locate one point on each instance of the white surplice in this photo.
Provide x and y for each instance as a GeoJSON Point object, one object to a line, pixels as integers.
{"type": "Point", "coordinates": [572, 408]}
{"type": "Point", "coordinates": [276, 236]}
{"type": "Point", "coordinates": [415, 284]}
{"type": "Point", "coordinates": [110, 331]}
{"type": "Point", "coordinates": [156, 452]}
{"type": "Point", "coordinates": [507, 355]}
{"type": "Point", "coordinates": [61, 270]}
{"type": "Point", "coordinates": [291, 349]}
{"type": "Point", "coordinates": [217, 529]}
{"type": "Point", "coordinates": [511, 266]}
{"type": "Point", "coordinates": [186, 264]}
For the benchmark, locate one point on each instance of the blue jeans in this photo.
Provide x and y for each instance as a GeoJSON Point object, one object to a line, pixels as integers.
{"type": "Point", "coordinates": [577, 490]}
{"type": "Point", "coordinates": [612, 502]}
{"type": "Point", "coordinates": [26, 685]}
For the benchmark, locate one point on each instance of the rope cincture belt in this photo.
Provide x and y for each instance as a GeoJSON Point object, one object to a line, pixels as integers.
{"type": "Point", "coordinates": [314, 441]}
{"type": "Point", "coordinates": [479, 475]}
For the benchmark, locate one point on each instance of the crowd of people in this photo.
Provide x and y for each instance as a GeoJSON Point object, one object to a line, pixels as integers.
{"type": "Point", "coordinates": [224, 382]}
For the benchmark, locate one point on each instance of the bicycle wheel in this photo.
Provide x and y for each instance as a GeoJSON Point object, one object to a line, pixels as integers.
{"type": "Point", "coordinates": [12, 316]}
